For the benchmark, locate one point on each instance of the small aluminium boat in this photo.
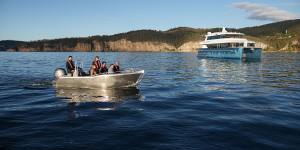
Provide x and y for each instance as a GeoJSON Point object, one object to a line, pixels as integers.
{"type": "Point", "coordinates": [127, 78]}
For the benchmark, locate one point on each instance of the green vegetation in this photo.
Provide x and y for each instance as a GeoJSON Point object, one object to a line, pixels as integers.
{"type": "Point", "coordinates": [176, 36]}
{"type": "Point", "coordinates": [9, 44]}
{"type": "Point", "coordinates": [273, 29]}
{"type": "Point", "coordinates": [277, 35]}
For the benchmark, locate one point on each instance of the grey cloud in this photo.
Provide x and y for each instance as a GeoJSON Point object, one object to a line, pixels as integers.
{"type": "Point", "coordinates": [264, 12]}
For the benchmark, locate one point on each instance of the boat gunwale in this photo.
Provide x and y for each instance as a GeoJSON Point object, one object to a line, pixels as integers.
{"type": "Point", "coordinates": [105, 75]}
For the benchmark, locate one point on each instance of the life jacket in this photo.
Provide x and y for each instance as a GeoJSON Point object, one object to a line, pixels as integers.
{"type": "Point", "coordinates": [97, 64]}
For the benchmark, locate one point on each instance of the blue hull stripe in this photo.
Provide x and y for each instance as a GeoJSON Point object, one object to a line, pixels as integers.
{"type": "Point", "coordinates": [231, 53]}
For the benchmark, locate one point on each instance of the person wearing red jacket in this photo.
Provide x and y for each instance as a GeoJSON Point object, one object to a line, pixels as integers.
{"type": "Point", "coordinates": [97, 64]}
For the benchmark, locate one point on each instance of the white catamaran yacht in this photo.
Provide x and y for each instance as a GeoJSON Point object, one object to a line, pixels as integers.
{"type": "Point", "coordinates": [230, 45]}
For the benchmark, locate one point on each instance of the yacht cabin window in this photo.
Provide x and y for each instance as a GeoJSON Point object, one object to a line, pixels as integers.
{"type": "Point", "coordinates": [224, 36]}
{"type": "Point", "coordinates": [225, 45]}
{"type": "Point", "coordinates": [251, 45]}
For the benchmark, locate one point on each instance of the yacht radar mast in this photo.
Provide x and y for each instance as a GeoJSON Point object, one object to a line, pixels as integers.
{"type": "Point", "coordinates": [224, 30]}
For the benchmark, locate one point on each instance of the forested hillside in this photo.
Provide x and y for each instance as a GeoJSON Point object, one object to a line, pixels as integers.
{"type": "Point", "coordinates": [284, 35]}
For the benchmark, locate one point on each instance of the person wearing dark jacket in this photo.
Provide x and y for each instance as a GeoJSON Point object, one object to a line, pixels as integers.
{"type": "Point", "coordinates": [103, 68]}
{"type": "Point", "coordinates": [70, 65]}
{"type": "Point", "coordinates": [117, 67]}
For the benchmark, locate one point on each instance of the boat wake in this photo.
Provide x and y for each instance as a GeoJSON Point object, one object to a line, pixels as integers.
{"type": "Point", "coordinates": [37, 84]}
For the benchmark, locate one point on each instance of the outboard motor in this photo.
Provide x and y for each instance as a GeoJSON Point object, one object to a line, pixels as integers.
{"type": "Point", "coordinates": [59, 72]}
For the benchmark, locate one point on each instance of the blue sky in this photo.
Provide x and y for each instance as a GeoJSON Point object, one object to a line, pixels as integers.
{"type": "Point", "coordinates": [47, 19]}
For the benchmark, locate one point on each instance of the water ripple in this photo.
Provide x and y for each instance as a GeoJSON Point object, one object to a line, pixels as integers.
{"type": "Point", "coordinates": [182, 103]}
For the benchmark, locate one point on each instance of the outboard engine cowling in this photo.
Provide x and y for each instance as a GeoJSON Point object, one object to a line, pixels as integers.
{"type": "Point", "coordinates": [59, 72]}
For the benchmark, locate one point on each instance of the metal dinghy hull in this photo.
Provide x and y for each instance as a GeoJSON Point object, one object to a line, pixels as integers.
{"type": "Point", "coordinates": [104, 81]}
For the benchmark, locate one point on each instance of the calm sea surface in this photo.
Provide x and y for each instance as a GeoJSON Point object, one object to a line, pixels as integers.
{"type": "Point", "coordinates": [182, 103]}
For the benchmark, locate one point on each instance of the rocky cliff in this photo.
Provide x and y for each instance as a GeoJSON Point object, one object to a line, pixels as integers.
{"type": "Point", "coordinates": [126, 45]}
{"type": "Point", "coordinates": [119, 45]}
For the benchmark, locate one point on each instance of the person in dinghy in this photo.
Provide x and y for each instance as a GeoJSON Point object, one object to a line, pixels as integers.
{"type": "Point", "coordinates": [103, 68]}
{"type": "Point", "coordinates": [70, 65]}
{"type": "Point", "coordinates": [95, 67]}
{"type": "Point", "coordinates": [97, 64]}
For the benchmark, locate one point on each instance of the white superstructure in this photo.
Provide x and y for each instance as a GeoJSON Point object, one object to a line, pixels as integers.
{"type": "Point", "coordinates": [226, 39]}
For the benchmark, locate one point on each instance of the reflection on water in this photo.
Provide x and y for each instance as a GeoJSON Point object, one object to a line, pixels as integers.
{"type": "Point", "coordinates": [228, 71]}
{"type": "Point", "coordinates": [106, 99]}
{"type": "Point", "coordinates": [97, 95]}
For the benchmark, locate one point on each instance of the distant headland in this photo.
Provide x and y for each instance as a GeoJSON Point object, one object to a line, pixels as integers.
{"type": "Point", "coordinates": [279, 36]}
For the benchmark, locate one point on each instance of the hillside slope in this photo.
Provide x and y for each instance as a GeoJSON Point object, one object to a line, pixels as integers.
{"type": "Point", "coordinates": [284, 35]}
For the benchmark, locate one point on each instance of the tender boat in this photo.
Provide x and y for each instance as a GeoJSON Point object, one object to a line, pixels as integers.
{"type": "Point", "coordinates": [127, 78]}
{"type": "Point", "coordinates": [230, 45]}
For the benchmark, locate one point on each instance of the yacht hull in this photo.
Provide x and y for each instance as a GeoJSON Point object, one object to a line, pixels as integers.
{"type": "Point", "coordinates": [231, 53]}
